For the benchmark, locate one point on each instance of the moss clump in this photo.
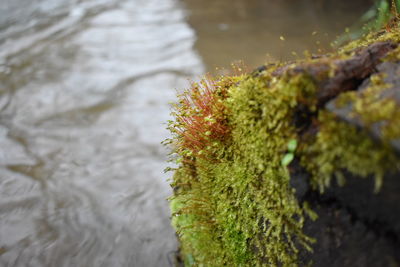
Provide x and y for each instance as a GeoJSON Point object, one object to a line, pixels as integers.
{"type": "Point", "coordinates": [374, 105]}
{"type": "Point", "coordinates": [240, 200]}
{"type": "Point", "coordinates": [339, 146]}
{"type": "Point", "coordinates": [370, 38]}
{"type": "Point", "coordinates": [233, 204]}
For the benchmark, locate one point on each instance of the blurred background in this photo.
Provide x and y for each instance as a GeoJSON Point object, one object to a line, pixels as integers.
{"type": "Point", "coordinates": [84, 92]}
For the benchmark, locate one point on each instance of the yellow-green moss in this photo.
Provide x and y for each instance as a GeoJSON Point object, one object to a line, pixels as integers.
{"type": "Point", "coordinates": [233, 204]}
{"type": "Point", "coordinates": [371, 106]}
{"type": "Point", "coordinates": [242, 203]}
{"type": "Point", "coordinates": [370, 38]}
{"type": "Point", "coordinates": [339, 146]}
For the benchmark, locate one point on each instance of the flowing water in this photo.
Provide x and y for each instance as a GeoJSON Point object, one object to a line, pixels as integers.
{"type": "Point", "coordinates": [84, 92]}
{"type": "Point", "coordinates": [84, 95]}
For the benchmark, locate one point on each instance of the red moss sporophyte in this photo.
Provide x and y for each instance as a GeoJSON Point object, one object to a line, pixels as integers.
{"type": "Point", "coordinates": [200, 120]}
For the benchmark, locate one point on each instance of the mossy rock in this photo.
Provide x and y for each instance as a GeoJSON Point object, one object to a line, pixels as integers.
{"type": "Point", "coordinates": [295, 164]}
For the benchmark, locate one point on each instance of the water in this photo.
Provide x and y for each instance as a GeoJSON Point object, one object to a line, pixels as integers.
{"type": "Point", "coordinates": [251, 30]}
{"type": "Point", "coordinates": [85, 87]}
{"type": "Point", "coordinates": [84, 91]}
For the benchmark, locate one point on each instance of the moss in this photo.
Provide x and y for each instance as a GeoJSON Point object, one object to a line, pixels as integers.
{"type": "Point", "coordinates": [339, 146]}
{"type": "Point", "coordinates": [233, 204]}
{"type": "Point", "coordinates": [261, 121]}
{"type": "Point", "coordinates": [370, 38]}
{"type": "Point", "coordinates": [242, 203]}
{"type": "Point", "coordinates": [393, 56]}
{"type": "Point", "coordinates": [371, 106]}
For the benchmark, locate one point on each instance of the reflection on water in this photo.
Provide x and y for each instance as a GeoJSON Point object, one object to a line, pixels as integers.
{"type": "Point", "coordinates": [84, 86]}
{"type": "Point", "coordinates": [84, 93]}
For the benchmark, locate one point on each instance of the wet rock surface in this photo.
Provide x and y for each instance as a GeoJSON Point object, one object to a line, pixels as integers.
{"type": "Point", "coordinates": [345, 240]}
{"type": "Point", "coordinates": [390, 72]}
{"type": "Point", "coordinates": [355, 226]}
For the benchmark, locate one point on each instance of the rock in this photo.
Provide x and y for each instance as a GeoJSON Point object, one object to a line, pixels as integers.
{"type": "Point", "coordinates": [245, 197]}
{"type": "Point", "coordinates": [391, 76]}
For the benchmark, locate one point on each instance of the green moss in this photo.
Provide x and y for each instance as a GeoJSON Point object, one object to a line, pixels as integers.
{"type": "Point", "coordinates": [394, 55]}
{"type": "Point", "coordinates": [339, 146]}
{"type": "Point", "coordinates": [250, 212]}
{"type": "Point", "coordinates": [234, 138]}
{"type": "Point", "coordinates": [372, 106]}
{"type": "Point", "coordinates": [192, 217]}
{"type": "Point", "coordinates": [370, 38]}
